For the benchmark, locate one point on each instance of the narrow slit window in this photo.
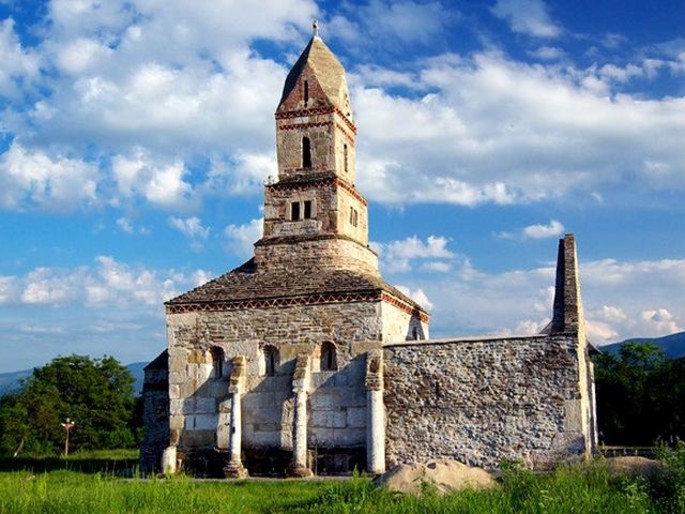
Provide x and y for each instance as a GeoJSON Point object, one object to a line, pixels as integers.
{"type": "Point", "coordinates": [295, 211]}
{"type": "Point", "coordinates": [306, 92]}
{"type": "Point", "coordinates": [307, 209]}
{"type": "Point", "coordinates": [345, 158]}
{"type": "Point", "coordinates": [306, 153]}
{"type": "Point", "coordinates": [271, 360]}
{"type": "Point", "coordinates": [217, 361]}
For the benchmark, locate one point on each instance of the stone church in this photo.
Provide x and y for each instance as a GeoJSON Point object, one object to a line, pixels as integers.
{"type": "Point", "coordinates": [305, 361]}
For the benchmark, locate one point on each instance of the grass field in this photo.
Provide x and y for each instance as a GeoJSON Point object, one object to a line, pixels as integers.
{"type": "Point", "coordinates": [569, 489]}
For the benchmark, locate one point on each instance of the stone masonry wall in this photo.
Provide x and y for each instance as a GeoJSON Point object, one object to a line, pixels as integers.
{"type": "Point", "coordinates": [481, 401]}
{"type": "Point", "coordinates": [314, 255]}
{"type": "Point", "coordinates": [199, 401]}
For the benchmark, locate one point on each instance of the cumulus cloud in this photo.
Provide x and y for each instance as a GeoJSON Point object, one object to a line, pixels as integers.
{"type": "Point", "coordinates": [33, 178]}
{"type": "Point", "coordinates": [240, 239]}
{"type": "Point", "coordinates": [398, 256]}
{"type": "Point", "coordinates": [528, 17]}
{"type": "Point", "coordinates": [513, 132]}
{"type": "Point", "coordinates": [161, 184]}
{"type": "Point", "coordinates": [537, 231]}
{"type": "Point", "coordinates": [190, 227]}
{"type": "Point", "coordinates": [20, 66]}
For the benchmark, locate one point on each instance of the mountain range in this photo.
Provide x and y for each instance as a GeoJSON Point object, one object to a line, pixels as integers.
{"type": "Point", "coordinates": [12, 380]}
{"type": "Point", "coordinates": [673, 345]}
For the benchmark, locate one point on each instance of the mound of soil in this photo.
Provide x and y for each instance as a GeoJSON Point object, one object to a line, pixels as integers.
{"type": "Point", "coordinates": [446, 475]}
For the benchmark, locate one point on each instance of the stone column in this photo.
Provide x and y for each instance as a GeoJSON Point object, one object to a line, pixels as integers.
{"type": "Point", "coordinates": [301, 378]}
{"type": "Point", "coordinates": [375, 413]}
{"type": "Point", "coordinates": [236, 387]}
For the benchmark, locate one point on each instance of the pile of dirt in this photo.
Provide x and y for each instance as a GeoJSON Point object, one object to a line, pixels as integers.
{"type": "Point", "coordinates": [633, 465]}
{"type": "Point", "coordinates": [445, 475]}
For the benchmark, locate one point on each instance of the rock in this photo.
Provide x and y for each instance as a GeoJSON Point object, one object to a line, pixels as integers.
{"type": "Point", "coordinates": [446, 475]}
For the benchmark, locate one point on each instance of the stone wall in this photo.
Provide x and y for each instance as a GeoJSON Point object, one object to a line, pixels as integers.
{"type": "Point", "coordinates": [482, 401]}
{"type": "Point", "coordinates": [200, 407]}
{"type": "Point", "coordinates": [310, 256]}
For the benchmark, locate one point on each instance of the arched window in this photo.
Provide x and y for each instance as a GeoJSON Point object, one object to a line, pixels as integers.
{"type": "Point", "coordinates": [329, 361]}
{"type": "Point", "coordinates": [306, 92]}
{"type": "Point", "coordinates": [218, 358]}
{"type": "Point", "coordinates": [306, 153]}
{"type": "Point", "coordinates": [270, 361]}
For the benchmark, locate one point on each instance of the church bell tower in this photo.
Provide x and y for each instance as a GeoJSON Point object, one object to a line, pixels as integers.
{"type": "Point", "coordinates": [313, 213]}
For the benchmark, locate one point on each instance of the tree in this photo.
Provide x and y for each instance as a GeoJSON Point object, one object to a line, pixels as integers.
{"type": "Point", "coordinates": [96, 393]}
{"type": "Point", "coordinates": [640, 395]}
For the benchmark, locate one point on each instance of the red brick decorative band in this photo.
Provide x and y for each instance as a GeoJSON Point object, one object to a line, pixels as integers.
{"type": "Point", "coordinates": [317, 299]}
{"type": "Point", "coordinates": [315, 112]}
{"type": "Point", "coordinates": [306, 125]}
{"type": "Point", "coordinates": [304, 186]}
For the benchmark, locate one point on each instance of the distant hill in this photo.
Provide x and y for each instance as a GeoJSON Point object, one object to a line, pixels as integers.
{"type": "Point", "coordinates": [673, 345]}
{"type": "Point", "coordinates": [11, 380]}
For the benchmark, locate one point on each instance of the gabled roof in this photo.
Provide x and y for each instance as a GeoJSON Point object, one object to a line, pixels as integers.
{"type": "Point", "coordinates": [327, 69]}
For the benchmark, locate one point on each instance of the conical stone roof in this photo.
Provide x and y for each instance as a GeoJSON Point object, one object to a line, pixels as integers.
{"type": "Point", "coordinates": [326, 69]}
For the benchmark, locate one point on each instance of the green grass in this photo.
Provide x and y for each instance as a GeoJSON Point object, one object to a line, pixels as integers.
{"type": "Point", "coordinates": [568, 489]}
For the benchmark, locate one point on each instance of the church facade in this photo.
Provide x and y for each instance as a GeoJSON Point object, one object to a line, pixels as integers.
{"type": "Point", "coordinates": [304, 360]}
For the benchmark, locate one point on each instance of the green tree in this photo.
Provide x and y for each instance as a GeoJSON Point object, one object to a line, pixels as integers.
{"type": "Point", "coordinates": [640, 395]}
{"type": "Point", "coordinates": [96, 393]}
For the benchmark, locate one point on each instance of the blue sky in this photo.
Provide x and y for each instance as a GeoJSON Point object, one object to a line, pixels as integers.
{"type": "Point", "coordinates": [135, 137]}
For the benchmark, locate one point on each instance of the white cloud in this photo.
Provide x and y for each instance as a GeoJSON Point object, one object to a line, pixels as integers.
{"type": "Point", "coordinates": [527, 17]}
{"type": "Point", "coordinates": [191, 227]}
{"type": "Point", "coordinates": [398, 256]}
{"type": "Point", "coordinates": [161, 184]}
{"type": "Point", "coordinates": [418, 295]}
{"type": "Point", "coordinates": [7, 289]}
{"type": "Point", "coordinates": [493, 130]}
{"type": "Point", "coordinates": [19, 66]}
{"type": "Point", "coordinates": [241, 238]}
{"type": "Point", "coordinates": [537, 231]}
{"type": "Point", "coordinates": [32, 178]}
{"type": "Point", "coordinates": [660, 321]}
{"type": "Point", "coordinates": [554, 229]}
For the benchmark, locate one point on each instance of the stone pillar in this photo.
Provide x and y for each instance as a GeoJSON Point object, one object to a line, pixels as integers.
{"type": "Point", "coordinates": [169, 460]}
{"type": "Point", "coordinates": [375, 413]}
{"type": "Point", "coordinates": [236, 387]}
{"type": "Point", "coordinates": [301, 378]}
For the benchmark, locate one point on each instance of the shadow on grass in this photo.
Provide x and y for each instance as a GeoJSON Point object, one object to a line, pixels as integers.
{"type": "Point", "coordinates": [91, 465]}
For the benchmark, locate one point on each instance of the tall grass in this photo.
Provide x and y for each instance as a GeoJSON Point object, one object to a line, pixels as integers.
{"type": "Point", "coordinates": [568, 489]}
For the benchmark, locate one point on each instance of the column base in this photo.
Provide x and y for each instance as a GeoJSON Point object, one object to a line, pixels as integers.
{"type": "Point", "coordinates": [234, 469]}
{"type": "Point", "coordinates": [295, 471]}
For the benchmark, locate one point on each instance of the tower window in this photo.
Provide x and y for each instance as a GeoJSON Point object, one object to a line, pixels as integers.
{"type": "Point", "coordinates": [345, 158]}
{"type": "Point", "coordinates": [306, 153]}
{"type": "Point", "coordinates": [354, 217]}
{"type": "Point", "coordinates": [301, 210]}
{"type": "Point", "coordinates": [306, 92]}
